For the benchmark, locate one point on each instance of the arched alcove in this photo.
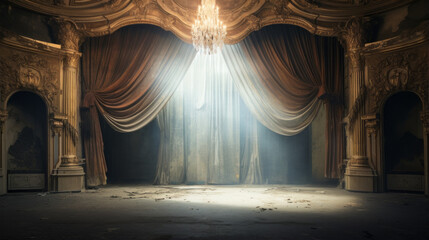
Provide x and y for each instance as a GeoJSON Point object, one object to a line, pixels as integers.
{"type": "Point", "coordinates": [26, 142]}
{"type": "Point", "coordinates": [403, 143]}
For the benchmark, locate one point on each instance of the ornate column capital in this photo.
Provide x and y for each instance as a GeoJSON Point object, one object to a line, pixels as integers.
{"type": "Point", "coordinates": [70, 39]}
{"type": "Point", "coordinates": [352, 36]}
{"type": "Point", "coordinates": [424, 116]}
{"type": "Point", "coordinates": [67, 34]}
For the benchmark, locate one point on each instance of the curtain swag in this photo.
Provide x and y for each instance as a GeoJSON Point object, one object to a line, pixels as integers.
{"type": "Point", "coordinates": [281, 72]}
{"type": "Point", "coordinates": [128, 77]}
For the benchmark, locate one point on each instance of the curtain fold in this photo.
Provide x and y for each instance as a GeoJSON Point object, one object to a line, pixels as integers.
{"type": "Point", "coordinates": [333, 61]}
{"type": "Point", "coordinates": [250, 160]}
{"type": "Point", "coordinates": [200, 128]}
{"type": "Point", "coordinates": [128, 77]}
{"type": "Point", "coordinates": [280, 72]}
{"type": "Point", "coordinates": [171, 157]}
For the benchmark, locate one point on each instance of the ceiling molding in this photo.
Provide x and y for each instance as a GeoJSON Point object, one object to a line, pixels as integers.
{"type": "Point", "coordinates": [101, 17]}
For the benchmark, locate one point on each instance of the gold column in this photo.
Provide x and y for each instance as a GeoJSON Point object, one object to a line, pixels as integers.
{"type": "Point", "coordinates": [70, 172]}
{"type": "Point", "coordinates": [359, 175]}
{"type": "Point", "coordinates": [69, 39]}
{"type": "Point", "coordinates": [425, 120]}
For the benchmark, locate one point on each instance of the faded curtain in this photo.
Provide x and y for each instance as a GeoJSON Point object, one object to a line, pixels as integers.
{"type": "Point", "coordinates": [200, 127]}
{"type": "Point", "coordinates": [281, 72]}
{"type": "Point", "coordinates": [128, 77]}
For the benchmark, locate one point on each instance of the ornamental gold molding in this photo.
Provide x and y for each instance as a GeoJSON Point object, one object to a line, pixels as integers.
{"type": "Point", "coordinates": [31, 65]}
{"type": "Point", "coordinates": [101, 17]}
{"type": "Point", "coordinates": [403, 71]}
{"type": "Point", "coordinates": [28, 72]}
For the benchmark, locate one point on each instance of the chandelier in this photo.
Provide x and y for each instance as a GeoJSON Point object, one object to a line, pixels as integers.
{"type": "Point", "coordinates": [208, 32]}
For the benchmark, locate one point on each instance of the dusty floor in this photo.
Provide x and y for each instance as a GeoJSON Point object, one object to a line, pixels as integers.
{"type": "Point", "coordinates": [214, 212]}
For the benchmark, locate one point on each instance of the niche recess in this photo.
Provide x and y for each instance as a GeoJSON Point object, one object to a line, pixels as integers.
{"type": "Point", "coordinates": [26, 142]}
{"type": "Point", "coordinates": [403, 143]}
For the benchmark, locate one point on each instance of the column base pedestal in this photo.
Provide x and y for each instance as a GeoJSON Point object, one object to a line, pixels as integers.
{"type": "Point", "coordinates": [360, 178]}
{"type": "Point", "coordinates": [68, 179]}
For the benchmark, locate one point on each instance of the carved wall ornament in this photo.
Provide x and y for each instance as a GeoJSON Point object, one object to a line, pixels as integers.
{"type": "Point", "coordinates": [29, 77]}
{"type": "Point", "coordinates": [168, 23]}
{"type": "Point", "coordinates": [406, 71]}
{"type": "Point", "coordinates": [281, 8]}
{"type": "Point", "coordinates": [397, 76]}
{"type": "Point", "coordinates": [254, 22]}
{"type": "Point", "coordinates": [28, 71]}
{"type": "Point", "coordinates": [142, 7]}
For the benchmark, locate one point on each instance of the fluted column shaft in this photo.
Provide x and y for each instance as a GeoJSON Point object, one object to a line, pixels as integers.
{"type": "Point", "coordinates": [358, 126]}
{"type": "Point", "coordinates": [354, 37]}
{"type": "Point", "coordinates": [69, 39]}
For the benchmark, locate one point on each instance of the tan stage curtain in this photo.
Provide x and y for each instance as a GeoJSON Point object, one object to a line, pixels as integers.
{"type": "Point", "coordinates": [128, 77]}
{"type": "Point", "coordinates": [333, 97]}
{"type": "Point", "coordinates": [280, 72]}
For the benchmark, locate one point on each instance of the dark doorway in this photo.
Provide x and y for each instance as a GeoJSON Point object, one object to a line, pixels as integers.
{"type": "Point", "coordinates": [26, 142]}
{"type": "Point", "coordinates": [131, 157]}
{"type": "Point", "coordinates": [403, 143]}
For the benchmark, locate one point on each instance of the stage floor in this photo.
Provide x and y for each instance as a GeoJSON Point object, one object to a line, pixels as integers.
{"type": "Point", "coordinates": [214, 212]}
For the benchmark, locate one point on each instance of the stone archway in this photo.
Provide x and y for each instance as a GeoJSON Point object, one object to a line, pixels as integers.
{"type": "Point", "coordinates": [26, 145]}
{"type": "Point", "coordinates": [403, 143]}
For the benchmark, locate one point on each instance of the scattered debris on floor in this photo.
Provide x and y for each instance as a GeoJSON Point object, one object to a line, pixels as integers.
{"type": "Point", "coordinates": [214, 212]}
